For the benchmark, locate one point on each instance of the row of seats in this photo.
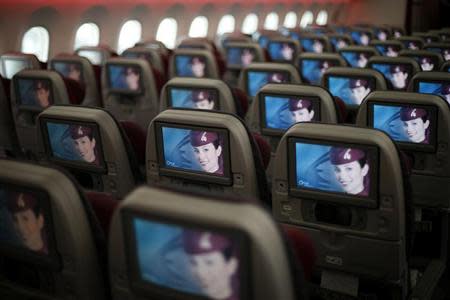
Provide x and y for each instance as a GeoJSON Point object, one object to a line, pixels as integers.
{"type": "Point", "coordinates": [359, 196]}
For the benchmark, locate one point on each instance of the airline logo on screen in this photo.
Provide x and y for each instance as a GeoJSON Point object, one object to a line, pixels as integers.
{"type": "Point", "coordinates": [205, 241]}
{"type": "Point", "coordinates": [203, 138]}
{"type": "Point", "coordinates": [413, 113]}
{"type": "Point", "coordinates": [347, 155]}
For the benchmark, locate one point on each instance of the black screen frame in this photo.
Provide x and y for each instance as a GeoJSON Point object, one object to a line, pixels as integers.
{"type": "Point", "coordinates": [417, 81]}
{"type": "Point", "coordinates": [31, 108]}
{"type": "Point", "coordinates": [212, 90]}
{"type": "Point", "coordinates": [52, 260]}
{"type": "Point", "coordinates": [67, 62]}
{"type": "Point", "coordinates": [409, 146]}
{"type": "Point", "coordinates": [146, 288]}
{"type": "Point", "coordinates": [315, 100]}
{"type": "Point", "coordinates": [371, 201]}
{"type": "Point", "coordinates": [284, 72]}
{"type": "Point", "coordinates": [138, 92]}
{"type": "Point", "coordinates": [82, 166]}
{"type": "Point", "coordinates": [191, 175]}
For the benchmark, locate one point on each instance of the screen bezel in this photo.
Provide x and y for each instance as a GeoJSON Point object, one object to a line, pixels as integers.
{"type": "Point", "coordinates": [214, 91]}
{"type": "Point", "coordinates": [112, 89]}
{"type": "Point", "coordinates": [142, 287]}
{"type": "Point", "coordinates": [4, 60]}
{"type": "Point", "coordinates": [315, 100]}
{"type": "Point", "coordinates": [417, 81]}
{"type": "Point", "coordinates": [73, 164]}
{"type": "Point", "coordinates": [55, 62]}
{"type": "Point", "coordinates": [31, 108]}
{"type": "Point", "coordinates": [247, 71]}
{"type": "Point", "coordinates": [51, 260]}
{"type": "Point", "coordinates": [199, 176]}
{"type": "Point", "coordinates": [371, 201]}
{"type": "Point", "coordinates": [431, 147]}
{"type": "Point", "coordinates": [101, 55]}
{"type": "Point", "coordinates": [370, 79]}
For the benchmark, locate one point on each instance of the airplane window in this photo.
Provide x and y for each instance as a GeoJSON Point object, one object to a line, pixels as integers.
{"type": "Point", "coordinates": [322, 18]}
{"type": "Point", "coordinates": [307, 19]}
{"type": "Point", "coordinates": [87, 34]}
{"type": "Point", "coordinates": [199, 27]}
{"type": "Point", "coordinates": [271, 22]}
{"type": "Point", "coordinates": [250, 24]}
{"type": "Point", "coordinates": [129, 35]}
{"type": "Point", "coordinates": [290, 20]}
{"type": "Point", "coordinates": [36, 41]}
{"type": "Point", "coordinates": [226, 24]}
{"type": "Point", "coordinates": [167, 32]}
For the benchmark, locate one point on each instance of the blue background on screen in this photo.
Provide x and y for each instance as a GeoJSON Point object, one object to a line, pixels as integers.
{"type": "Point", "coordinates": [161, 257]}
{"type": "Point", "coordinates": [274, 49]}
{"type": "Point", "coordinates": [351, 58]}
{"type": "Point", "coordinates": [234, 56]}
{"type": "Point", "coordinates": [61, 143]}
{"type": "Point", "coordinates": [278, 115]}
{"type": "Point", "coordinates": [311, 71]}
{"type": "Point", "coordinates": [314, 169]}
{"type": "Point", "coordinates": [255, 81]}
{"type": "Point", "coordinates": [356, 36]}
{"type": "Point", "coordinates": [340, 87]}
{"type": "Point", "coordinates": [183, 65]}
{"type": "Point", "coordinates": [117, 77]}
{"type": "Point", "coordinates": [387, 119]}
{"type": "Point", "coordinates": [181, 98]}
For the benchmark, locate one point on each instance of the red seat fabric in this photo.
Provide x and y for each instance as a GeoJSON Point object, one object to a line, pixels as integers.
{"type": "Point", "coordinates": [104, 205]}
{"type": "Point", "coordinates": [264, 149]}
{"type": "Point", "coordinates": [137, 137]}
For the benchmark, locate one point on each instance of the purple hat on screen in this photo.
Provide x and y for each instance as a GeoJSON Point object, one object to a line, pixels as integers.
{"type": "Point", "coordinates": [198, 242]}
{"type": "Point", "coordinates": [21, 202]}
{"type": "Point", "coordinates": [200, 138]}
{"type": "Point", "coordinates": [398, 69]}
{"type": "Point", "coordinates": [340, 156]}
{"type": "Point", "coordinates": [356, 83]}
{"type": "Point", "coordinates": [296, 104]}
{"type": "Point", "coordinates": [411, 113]}
{"type": "Point", "coordinates": [77, 131]}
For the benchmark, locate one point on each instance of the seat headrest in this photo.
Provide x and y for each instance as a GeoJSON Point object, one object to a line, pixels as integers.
{"type": "Point", "coordinates": [442, 48]}
{"type": "Point", "coordinates": [437, 83]}
{"type": "Point", "coordinates": [97, 55]}
{"type": "Point", "coordinates": [218, 225]}
{"type": "Point", "coordinates": [187, 93]}
{"type": "Point", "coordinates": [427, 60]}
{"type": "Point", "coordinates": [107, 165]}
{"type": "Point", "coordinates": [352, 84]}
{"type": "Point", "coordinates": [153, 56]}
{"type": "Point", "coordinates": [80, 69]}
{"type": "Point", "coordinates": [173, 136]}
{"type": "Point", "coordinates": [397, 71]}
{"type": "Point", "coordinates": [69, 230]}
{"type": "Point", "coordinates": [14, 62]}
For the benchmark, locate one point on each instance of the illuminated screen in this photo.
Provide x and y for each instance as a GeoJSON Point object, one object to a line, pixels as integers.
{"type": "Point", "coordinates": [34, 93]}
{"type": "Point", "coordinates": [193, 261]}
{"type": "Point", "coordinates": [382, 35]}
{"type": "Point", "coordinates": [397, 75]}
{"type": "Point", "coordinates": [193, 98]}
{"type": "Point", "coordinates": [24, 221]}
{"type": "Point", "coordinates": [75, 143]}
{"type": "Point", "coordinates": [71, 70]}
{"type": "Point", "coordinates": [95, 57]}
{"type": "Point", "coordinates": [257, 79]}
{"type": "Point", "coordinates": [406, 123]}
{"type": "Point", "coordinates": [338, 43]}
{"type": "Point", "coordinates": [312, 69]}
{"type": "Point", "coordinates": [240, 57]}
{"type": "Point", "coordinates": [263, 41]}
{"type": "Point", "coordinates": [13, 66]}
{"type": "Point", "coordinates": [351, 90]}
{"type": "Point", "coordinates": [125, 79]}
{"type": "Point", "coordinates": [195, 150]}
{"type": "Point", "coordinates": [412, 45]}
{"type": "Point", "coordinates": [280, 112]}
{"type": "Point", "coordinates": [281, 51]}
{"type": "Point", "coordinates": [435, 88]}
{"type": "Point", "coordinates": [360, 38]}
{"type": "Point", "coordinates": [312, 45]}
{"type": "Point", "coordinates": [333, 168]}
{"type": "Point", "coordinates": [190, 66]}
{"type": "Point", "coordinates": [427, 63]}
{"type": "Point", "coordinates": [444, 51]}
{"type": "Point", "coordinates": [356, 59]}
{"type": "Point", "coordinates": [388, 50]}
